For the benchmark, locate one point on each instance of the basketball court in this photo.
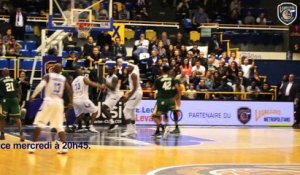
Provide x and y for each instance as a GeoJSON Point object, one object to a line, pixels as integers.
{"type": "Point", "coordinates": [197, 150]}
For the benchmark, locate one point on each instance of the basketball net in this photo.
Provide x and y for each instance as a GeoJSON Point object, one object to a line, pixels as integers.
{"type": "Point", "coordinates": [84, 29]}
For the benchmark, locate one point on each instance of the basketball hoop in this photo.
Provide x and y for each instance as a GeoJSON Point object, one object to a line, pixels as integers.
{"type": "Point", "coordinates": [84, 29]}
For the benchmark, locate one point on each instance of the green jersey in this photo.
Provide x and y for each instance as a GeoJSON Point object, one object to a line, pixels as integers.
{"type": "Point", "coordinates": [9, 87]}
{"type": "Point", "coordinates": [166, 86]}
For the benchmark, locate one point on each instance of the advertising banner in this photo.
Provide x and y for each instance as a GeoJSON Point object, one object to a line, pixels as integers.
{"type": "Point", "coordinates": [225, 113]}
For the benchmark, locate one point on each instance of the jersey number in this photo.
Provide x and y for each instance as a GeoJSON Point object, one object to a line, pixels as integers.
{"type": "Point", "coordinates": [77, 86]}
{"type": "Point", "coordinates": [9, 87]}
{"type": "Point", "coordinates": [57, 87]}
{"type": "Point", "coordinates": [167, 85]}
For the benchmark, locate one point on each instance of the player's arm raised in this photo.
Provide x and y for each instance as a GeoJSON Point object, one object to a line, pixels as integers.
{"type": "Point", "coordinates": [87, 81]}
{"type": "Point", "coordinates": [69, 93]}
{"type": "Point", "coordinates": [40, 87]}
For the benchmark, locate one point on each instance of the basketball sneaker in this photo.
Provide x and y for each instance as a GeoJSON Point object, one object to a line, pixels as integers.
{"type": "Point", "coordinates": [112, 127]}
{"type": "Point", "coordinates": [157, 134]}
{"type": "Point", "coordinates": [175, 131]}
{"type": "Point", "coordinates": [61, 149]}
{"type": "Point", "coordinates": [129, 131]}
{"type": "Point", "coordinates": [22, 138]}
{"type": "Point", "coordinates": [31, 150]}
{"type": "Point", "coordinates": [92, 129]}
{"type": "Point", "coordinates": [166, 132]}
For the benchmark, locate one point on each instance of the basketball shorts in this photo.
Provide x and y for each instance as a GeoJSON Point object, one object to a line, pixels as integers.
{"type": "Point", "coordinates": [11, 107]}
{"type": "Point", "coordinates": [51, 111]}
{"type": "Point", "coordinates": [164, 105]}
{"type": "Point", "coordinates": [111, 100]}
{"type": "Point", "coordinates": [84, 106]}
{"type": "Point", "coordinates": [134, 100]}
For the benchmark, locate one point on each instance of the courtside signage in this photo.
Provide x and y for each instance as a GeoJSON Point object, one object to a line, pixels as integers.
{"type": "Point", "coordinates": [236, 113]}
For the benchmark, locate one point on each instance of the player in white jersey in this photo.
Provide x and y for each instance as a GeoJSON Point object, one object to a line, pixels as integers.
{"type": "Point", "coordinates": [112, 97]}
{"type": "Point", "coordinates": [52, 109]}
{"type": "Point", "coordinates": [82, 104]}
{"type": "Point", "coordinates": [132, 99]}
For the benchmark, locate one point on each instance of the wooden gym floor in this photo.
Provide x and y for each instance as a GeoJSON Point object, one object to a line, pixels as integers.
{"type": "Point", "coordinates": [198, 150]}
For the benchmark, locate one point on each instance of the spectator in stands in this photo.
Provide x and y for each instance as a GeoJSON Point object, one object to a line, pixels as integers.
{"type": "Point", "coordinates": [141, 14]}
{"type": "Point", "coordinates": [215, 62]}
{"type": "Point", "coordinates": [153, 43]}
{"type": "Point", "coordinates": [290, 90]}
{"type": "Point", "coordinates": [106, 53]}
{"type": "Point", "coordinates": [186, 67]}
{"type": "Point", "coordinates": [94, 59]}
{"type": "Point", "coordinates": [115, 13]}
{"type": "Point", "coordinates": [170, 51]}
{"type": "Point", "coordinates": [280, 86]}
{"type": "Point", "coordinates": [202, 88]}
{"type": "Point", "coordinates": [254, 90]}
{"type": "Point", "coordinates": [24, 86]}
{"type": "Point", "coordinates": [2, 48]}
{"type": "Point", "coordinates": [102, 13]}
{"type": "Point", "coordinates": [157, 69]}
{"type": "Point", "coordinates": [244, 81]}
{"type": "Point", "coordinates": [183, 78]}
{"type": "Point", "coordinates": [222, 69]}
{"type": "Point", "coordinates": [183, 51]}
{"type": "Point", "coordinates": [124, 14]}
{"type": "Point", "coordinates": [194, 78]}
{"type": "Point", "coordinates": [161, 51]}
{"type": "Point", "coordinates": [238, 87]}
{"type": "Point", "coordinates": [249, 18]}
{"type": "Point", "coordinates": [234, 58]}
{"type": "Point", "coordinates": [104, 38]}
{"type": "Point", "coordinates": [118, 48]}
{"type": "Point", "coordinates": [215, 45]}
{"type": "Point", "coordinates": [256, 77]}
{"type": "Point", "coordinates": [261, 19]}
{"type": "Point", "coordinates": [233, 71]}
{"type": "Point", "coordinates": [217, 79]}
{"type": "Point", "coordinates": [8, 37]}
{"type": "Point", "coordinates": [235, 5]}
{"type": "Point", "coordinates": [142, 46]}
{"type": "Point", "coordinates": [71, 60]}
{"type": "Point", "coordinates": [183, 10]}
{"type": "Point", "coordinates": [179, 41]}
{"type": "Point", "coordinates": [12, 48]}
{"type": "Point", "coordinates": [266, 88]}
{"type": "Point", "coordinates": [153, 60]}
{"type": "Point", "coordinates": [203, 59]}
{"type": "Point", "coordinates": [166, 41]}
{"type": "Point", "coordinates": [209, 80]}
{"type": "Point", "coordinates": [124, 83]}
{"type": "Point", "coordinates": [191, 93]}
{"type": "Point", "coordinates": [70, 43]}
{"type": "Point", "coordinates": [174, 66]}
{"type": "Point", "coordinates": [224, 56]}
{"type": "Point", "coordinates": [234, 17]}
{"type": "Point", "coordinates": [18, 20]}
{"type": "Point", "coordinates": [246, 67]}
{"type": "Point", "coordinates": [177, 57]}
{"type": "Point", "coordinates": [200, 17]}
{"type": "Point", "coordinates": [224, 87]}
{"type": "Point", "coordinates": [192, 59]}
{"type": "Point", "coordinates": [210, 65]}
{"type": "Point", "coordinates": [195, 49]}
{"type": "Point", "coordinates": [88, 47]}
{"type": "Point", "coordinates": [119, 67]}
{"type": "Point", "coordinates": [199, 69]}
{"type": "Point", "coordinates": [140, 4]}
{"type": "Point", "coordinates": [5, 8]}
{"type": "Point", "coordinates": [148, 88]}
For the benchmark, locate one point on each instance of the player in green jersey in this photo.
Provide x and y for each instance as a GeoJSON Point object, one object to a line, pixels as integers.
{"type": "Point", "coordinates": [166, 87]}
{"type": "Point", "coordinates": [10, 93]}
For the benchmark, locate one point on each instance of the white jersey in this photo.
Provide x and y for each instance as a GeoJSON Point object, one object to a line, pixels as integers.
{"type": "Point", "coordinates": [109, 80]}
{"type": "Point", "coordinates": [55, 86]}
{"type": "Point", "coordinates": [80, 89]}
{"type": "Point", "coordinates": [135, 71]}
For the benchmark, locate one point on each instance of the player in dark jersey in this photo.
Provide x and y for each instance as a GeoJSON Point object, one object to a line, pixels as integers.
{"type": "Point", "coordinates": [166, 87]}
{"type": "Point", "coordinates": [172, 74]}
{"type": "Point", "coordinates": [10, 92]}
